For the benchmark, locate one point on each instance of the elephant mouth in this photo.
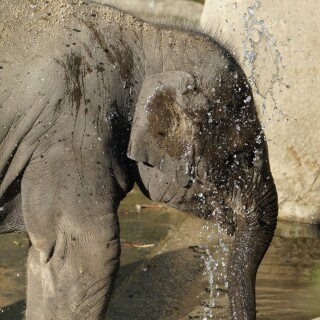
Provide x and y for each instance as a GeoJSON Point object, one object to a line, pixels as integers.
{"type": "Point", "coordinates": [208, 201]}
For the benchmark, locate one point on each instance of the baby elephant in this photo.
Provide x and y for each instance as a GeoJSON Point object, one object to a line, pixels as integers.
{"type": "Point", "coordinates": [93, 100]}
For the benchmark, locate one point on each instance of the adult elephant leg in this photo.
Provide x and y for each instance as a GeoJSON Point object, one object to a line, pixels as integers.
{"type": "Point", "coordinates": [70, 216]}
{"type": "Point", "coordinates": [255, 228]}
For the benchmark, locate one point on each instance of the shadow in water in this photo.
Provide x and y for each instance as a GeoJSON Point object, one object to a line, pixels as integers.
{"type": "Point", "coordinates": [168, 286]}
{"type": "Point", "coordinates": [14, 311]}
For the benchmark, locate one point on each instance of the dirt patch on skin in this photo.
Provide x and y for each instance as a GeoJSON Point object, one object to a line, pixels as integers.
{"type": "Point", "coordinates": [171, 128]}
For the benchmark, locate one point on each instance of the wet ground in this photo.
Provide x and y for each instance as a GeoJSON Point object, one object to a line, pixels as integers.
{"type": "Point", "coordinates": [164, 274]}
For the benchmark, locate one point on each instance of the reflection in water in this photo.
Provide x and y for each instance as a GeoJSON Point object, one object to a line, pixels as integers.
{"type": "Point", "coordinates": [288, 282]}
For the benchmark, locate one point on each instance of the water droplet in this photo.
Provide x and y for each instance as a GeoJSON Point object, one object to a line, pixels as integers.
{"type": "Point", "coordinates": [260, 46]}
{"type": "Point", "coordinates": [250, 56]}
{"type": "Point", "coordinates": [248, 99]}
{"type": "Point", "coordinates": [258, 139]}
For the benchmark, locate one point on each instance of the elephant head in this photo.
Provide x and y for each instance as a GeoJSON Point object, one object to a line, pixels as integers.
{"type": "Point", "coordinates": [194, 134]}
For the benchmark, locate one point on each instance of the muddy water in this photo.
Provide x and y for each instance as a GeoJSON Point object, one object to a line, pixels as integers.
{"type": "Point", "coordinates": [13, 251]}
{"type": "Point", "coordinates": [288, 283]}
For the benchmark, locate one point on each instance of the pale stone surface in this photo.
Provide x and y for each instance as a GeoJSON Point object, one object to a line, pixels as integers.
{"type": "Point", "coordinates": [293, 131]}
{"type": "Point", "coordinates": [183, 9]}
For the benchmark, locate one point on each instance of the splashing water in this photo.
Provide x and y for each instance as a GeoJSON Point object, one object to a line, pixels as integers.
{"type": "Point", "coordinates": [261, 56]}
{"type": "Point", "coordinates": [215, 258]}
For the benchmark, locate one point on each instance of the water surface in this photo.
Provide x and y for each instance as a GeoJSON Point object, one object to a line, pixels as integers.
{"type": "Point", "coordinates": [288, 282]}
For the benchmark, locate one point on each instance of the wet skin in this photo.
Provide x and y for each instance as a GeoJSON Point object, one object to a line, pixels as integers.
{"type": "Point", "coordinates": [101, 101]}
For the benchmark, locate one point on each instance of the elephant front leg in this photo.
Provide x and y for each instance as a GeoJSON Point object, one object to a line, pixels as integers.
{"type": "Point", "coordinates": [73, 279]}
{"type": "Point", "coordinates": [256, 222]}
{"type": "Point", "coordinates": [73, 229]}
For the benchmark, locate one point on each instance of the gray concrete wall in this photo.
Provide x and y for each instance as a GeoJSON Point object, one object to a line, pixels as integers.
{"type": "Point", "coordinates": [290, 28]}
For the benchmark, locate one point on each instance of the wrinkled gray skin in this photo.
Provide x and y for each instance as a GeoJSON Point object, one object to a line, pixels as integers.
{"type": "Point", "coordinates": [92, 100]}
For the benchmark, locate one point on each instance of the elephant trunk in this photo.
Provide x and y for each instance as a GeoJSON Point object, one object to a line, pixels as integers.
{"type": "Point", "coordinates": [253, 235]}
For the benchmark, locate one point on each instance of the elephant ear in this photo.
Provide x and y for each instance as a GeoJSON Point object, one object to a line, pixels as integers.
{"type": "Point", "coordinates": [162, 131]}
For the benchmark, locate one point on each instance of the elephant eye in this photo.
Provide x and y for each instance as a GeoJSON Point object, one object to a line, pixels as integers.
{"type": "Point", "coordinates": [147, 164]}
{"type": "Point", "coordinates": [191, 90]}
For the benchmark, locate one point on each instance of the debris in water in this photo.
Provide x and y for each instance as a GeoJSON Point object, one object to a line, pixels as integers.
{"type": "Point", "coordinates": [148, 206]}
{"type": "Point", "coordinates": [136, 244]}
